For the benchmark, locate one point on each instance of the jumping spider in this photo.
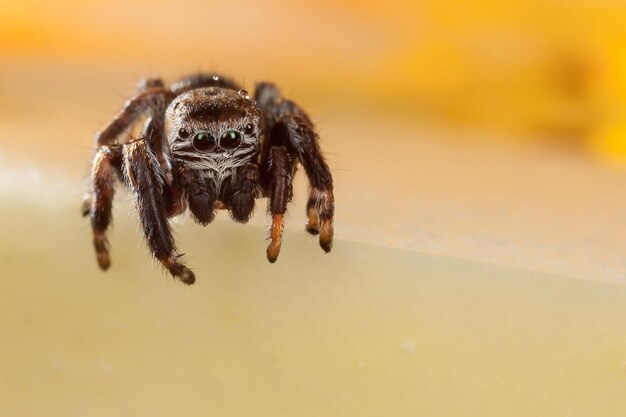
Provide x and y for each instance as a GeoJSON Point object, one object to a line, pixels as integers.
{"type": "Point", "coordinates": [207, 145]}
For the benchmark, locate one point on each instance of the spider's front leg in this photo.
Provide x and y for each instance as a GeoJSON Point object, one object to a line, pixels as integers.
{"type": "Point", "coordinates": [289, 126]}
{"type": "Point", "coordinates": [321, 204]}
{"type": "Point", "coordinates": [279, 167]}
{"type": "Point", "coordinates": [144, 178]}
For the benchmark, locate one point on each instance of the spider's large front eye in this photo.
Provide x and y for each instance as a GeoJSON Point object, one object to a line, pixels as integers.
{"type": "Point", "coordinates": [230, 139]}
{"type": "Point", "coordinates": [204, 142]}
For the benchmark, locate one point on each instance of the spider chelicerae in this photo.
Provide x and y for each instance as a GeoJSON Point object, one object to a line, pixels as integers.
{"type": "Point", "coordinates": [206, 145]}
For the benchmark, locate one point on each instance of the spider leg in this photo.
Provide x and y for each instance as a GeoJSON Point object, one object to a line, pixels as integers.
{"type": "Point", "coordinates": [288, 125]}
{"type": "Point", "coordinates": [280, 166]}
{"type": "Point", "coordinates": [145, 179]}
{"type": "Point", "coordinates": [147, 83]}
{"type": "Point", "coordinates": [133, 108]}
{"type": "Point", "coordinates": [154, 132]}
{"type": "Point", "coordinates": [130, 113]}
{"type": "Point", "coordinates": [303, 140]}
{"type": "Point", "coordinates": [106, 162]}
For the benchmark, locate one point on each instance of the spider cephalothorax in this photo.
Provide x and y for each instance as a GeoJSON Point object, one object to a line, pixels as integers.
{"type": "Point", "coordinates": [207, 145]}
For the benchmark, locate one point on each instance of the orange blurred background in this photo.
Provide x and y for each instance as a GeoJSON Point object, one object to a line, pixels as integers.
{"type": "Point", "coordinates": [550, 71]}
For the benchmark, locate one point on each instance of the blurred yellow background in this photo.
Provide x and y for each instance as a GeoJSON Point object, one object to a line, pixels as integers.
{"type": "Point", "coordinates": [550, 71]}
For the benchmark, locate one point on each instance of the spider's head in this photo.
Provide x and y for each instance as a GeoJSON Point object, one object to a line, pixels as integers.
{"type": "Point", "coordinates": [214, 122]}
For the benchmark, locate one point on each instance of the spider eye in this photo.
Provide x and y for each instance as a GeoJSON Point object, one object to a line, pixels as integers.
{"type": "Point", "coordinates": [249, 129]}
{"type": "Point", "coordinates": [183, 133]}
{"type": "Point", "coordinates": [203, 142]}
{"type": "Point", "coordinates": [230, 139]}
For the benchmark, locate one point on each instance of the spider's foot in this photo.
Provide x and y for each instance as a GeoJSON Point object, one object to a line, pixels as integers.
{"type": "Point", "coordinates": [312, 224]}
{"type": "Point", "coordinates": [178, 270]}
{"type": "Point", "coordinates": [276, 236]}
{"type": "Point", "coordinates": [272, 251]}
{"type": "Point", "coordinates": [86, 207]}
{"type": "Point", "coordinates": [326, 235]}
{"type": "Point", "coordinates": [101, 245]}
{"type": "Point", "coordinates": [320, 210]}
{"type": "Point", "coordinates": [104, 260]}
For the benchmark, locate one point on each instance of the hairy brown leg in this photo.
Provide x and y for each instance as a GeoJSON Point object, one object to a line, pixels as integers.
{"type": "Point", "coordinates": [303, 141]}
{"type": "Point", "coordinates": [288, 125]}
{"type": "Point", "coordinates": [279, 192]}
{"type": "Point", "coordinates": [105, 163]}
{"type": "Point", "coordinates": [153, 131]}
{"type": "Point", "coordinates": [313, 213]}
{"type": "Point", "coordinates": [133, 108]}
{"type": "Point", "coordinates": [144, 178]}
{"type": "Point", "coordinates": [151, 95]}
{"type": "Point", "coordinates": [98, 201]}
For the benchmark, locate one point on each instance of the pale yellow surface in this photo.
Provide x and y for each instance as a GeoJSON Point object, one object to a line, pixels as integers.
{"type": "Point", "coordinates": [364, 331]}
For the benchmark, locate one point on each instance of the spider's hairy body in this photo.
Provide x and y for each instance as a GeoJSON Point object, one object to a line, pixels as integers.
{"type": "Point", "coordinates": [206, 145]}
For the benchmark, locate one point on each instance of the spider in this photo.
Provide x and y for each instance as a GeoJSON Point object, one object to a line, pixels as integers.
{"type": "Point", "coordinates": [206, 145]}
